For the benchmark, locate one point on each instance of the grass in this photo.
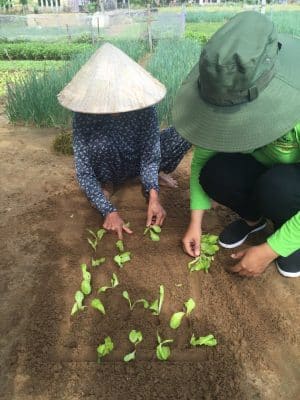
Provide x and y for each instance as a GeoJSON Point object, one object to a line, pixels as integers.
{"type": "Point", "coordinates": [14, 71]}
{"type": "Point", "coordinates": [170, 63]}
{"type": "Point", "coordinates": [33, 99]}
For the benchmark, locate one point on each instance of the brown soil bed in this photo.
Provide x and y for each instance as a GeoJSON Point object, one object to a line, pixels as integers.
{"type": "Point", "coordinates": [46, 354]}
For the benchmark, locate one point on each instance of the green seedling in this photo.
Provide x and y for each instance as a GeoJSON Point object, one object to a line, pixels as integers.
{"type": "Point", "coordinates": [209, 244]}
{"type": "Point", "coordinates": [86, 283]}
{"type": "Point", "coordinates": [92, 233]}
{"type": "Point", "coordinates": [79, 297]}
{"type": "Point", "coordinates": [208, 340]}
{"type": "Point", "coordinates": [135, 337]}
{"type": "Point", "coordinates": [162, 351]}
{"type": "Point", "coordinates": [121, 259]}
{"type": "Point", "coordinates": [154, 231]}
{"type": "Point", "coordinates": [98, 305]}
{"type": "Point", "coordinates": [209, 248]}
{"type": "Point", "coordinates": [100, 233]}
{"type": "Point", "coordinates": [132, 305]}
{"type": "Point", "coordinates": [156, 306]}
{"type": "Point", "coordinates": [120, 245]}
{"type": "Point", "coordinates": [200, 263]}
{"type": "Point", "coordinates": [93, 243]}
{"type": "Point", "coordinates": [105, 348]}
{"type": "Point", "coordinates": [97, 262]}
{"type": "Point", "coordinates": [114, 282]}
{"type": "Point", "coordinates": [176, 318]}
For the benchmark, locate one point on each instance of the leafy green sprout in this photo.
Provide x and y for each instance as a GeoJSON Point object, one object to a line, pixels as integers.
{"type": "Point", "coordinates": [96, 237]}
{"type": "Point", "coordinates": [79, 297]}
{"type": "Point", "coordinates": [154, 231]}
{"type": "Point", "coordinates": [177, 317]}
{"type": "Point", "coordinates": [98, 261]}
{"type": "Point", "coordinates": [209, 248]}
{"type": "Point", "coordinates": [208, 340]}
{"type": "Point", "coordinates": [121, 259]}
{"type": "Point", "coordinates": [86, 282]}
{"type": "Point", "coordinates": [105, 348]}
{"type": "Point", "coordinates": [156, 305]}
{"type": "Point", "coordinates": [120, 245]}
{"type": "Point", "coordinates": [135, 338]}
{"type": "Point", "coordinates": [162, 351]}
{"type": "Point", "coordinates": [98, 305]}
{"type": "Point", "coordinates": [114, 283]}
{"type": "Point", "coordinates": [133, 304]}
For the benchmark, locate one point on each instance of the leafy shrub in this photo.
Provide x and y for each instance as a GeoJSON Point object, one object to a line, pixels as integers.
{"type": "Point", "coordinates": [41, 51]}
{"type": "Point", "coordinates": [197, 36]}
{"type": "Point", "coordinates": [63, 143]}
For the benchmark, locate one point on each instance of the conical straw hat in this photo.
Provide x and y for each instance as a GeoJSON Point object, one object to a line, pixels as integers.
{"type": "Point", "coordinates": [111, 82]}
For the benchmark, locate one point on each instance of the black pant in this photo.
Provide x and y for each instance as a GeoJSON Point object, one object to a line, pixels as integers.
{"type": "Point", "coordinates": [250, 189]}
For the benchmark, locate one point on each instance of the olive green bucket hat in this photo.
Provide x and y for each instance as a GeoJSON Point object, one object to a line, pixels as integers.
{"type": "Point", "coordinates": [245, 91]}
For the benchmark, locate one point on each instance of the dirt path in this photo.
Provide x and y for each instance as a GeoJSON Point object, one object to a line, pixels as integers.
{"type": "Point", "coordinates": [46, 355]}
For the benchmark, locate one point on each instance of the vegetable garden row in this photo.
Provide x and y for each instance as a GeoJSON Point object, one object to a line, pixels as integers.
{"type": "Point", "coordinates": [163, 351]}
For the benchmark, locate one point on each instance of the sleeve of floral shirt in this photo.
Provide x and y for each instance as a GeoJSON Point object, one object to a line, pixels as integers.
{"type": "Point", "coordinates": [85, 173]}
{"type": "Point", "coordinates": [150, 157]}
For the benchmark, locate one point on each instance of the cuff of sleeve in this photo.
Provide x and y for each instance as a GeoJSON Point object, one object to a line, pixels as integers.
{"type": "Point", "coordinates": [154, 186]}
{"type": "Point", "coordinates": [107, 209]}
{"type": "Point", "coordinates": [275, 245]}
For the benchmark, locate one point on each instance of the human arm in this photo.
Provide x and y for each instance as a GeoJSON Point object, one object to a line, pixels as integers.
{"type": "Point", "coordinates": [285, 241]}
{"type": "Point", "coordinates": [87, 178]}
{"type": "Point", "coordinates": [150, 161]}
{"type": "Point", "coordinates": [199, 202]}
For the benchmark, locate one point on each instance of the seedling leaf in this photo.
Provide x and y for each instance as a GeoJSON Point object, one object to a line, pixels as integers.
{"type": "Point", "coordinates": [117, 260]}
{"type": "Point", "coordinates": [200, 263]}
{"type": "Point", "coordinates": [86, 287]}
{"type": "Point", "coordinates": [85, 274]}
{"type": "Point", "coordinates": [92, 233]}
{"type": "Point", "coordinates": [97, 262]}
{"type": "Point", "coordinates": [126, 296]}
{"type": "Point", "coordinates": [208, 340]}
{"type": "Point", "coordinates": [100, 233]}
{"type": "Point", "coordinates": [74, 309]}
{"type": "Point", "coordinates": [161, 297]}
{"type": "Point", "coordinates": [135, 337]}
{"type": "Point", "coordinates": [211, 239]}
{"type": "Point", "coordinates": [120, 245]}
{"type": "Point", "coordinates": [98, 305]}
{"type": "Point", "coordinates": [156, 228]}
{"type": "Point", "coordinates": [154, 307]}
{"type": "Point", "coordinates": [105, 348]}
{"type": "Point", "coordinates": [130, 356]}
{"type": "Point", "coordinates": [163, 352]}
{"type": "Point", "coordinates": [146, 230]}
{"type": "Point", "coordinates": [154, 236]}
{"type": "Point", "coordinates": [176, 319]}
{"type": "Point", "coordinates": [114, 281]}
{"type": "Point", "coordinates": [189, 305]}
{"type": "Point", "coordinates": [145, 303]}
{"type": "Point", "coordinates": [79, 297]}
{"type": "Point", "coordinates": [93, 244]}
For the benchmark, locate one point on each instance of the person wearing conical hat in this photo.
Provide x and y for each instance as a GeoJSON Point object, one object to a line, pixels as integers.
{"type": "Point", "coordinates": [240, 107]}
{"type": "Point", "coordinates": [116, 134]}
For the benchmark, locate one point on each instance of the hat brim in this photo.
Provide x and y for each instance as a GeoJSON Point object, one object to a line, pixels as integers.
{"type": "Point", "coordinates": [249, 125]}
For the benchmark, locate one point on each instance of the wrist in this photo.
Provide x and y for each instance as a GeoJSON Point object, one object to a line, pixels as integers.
{"type": "Point", "coordinates": [268, 251]}
{"type": "Point", "coordinates": [153, 195]}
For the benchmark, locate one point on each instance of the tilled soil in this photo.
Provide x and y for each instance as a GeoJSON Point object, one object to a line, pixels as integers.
{"type": "Point", "coordinates": [46, 354]}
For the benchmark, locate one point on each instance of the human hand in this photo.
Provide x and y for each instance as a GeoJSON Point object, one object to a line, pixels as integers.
{"type": "Point", "coordinates": [113, 222]}
{"type": "Point", "coordinates": [254, 260]}
{"type": "Point", "coordinates": [191, 240]}
{"type": "Point", "coordinates": [156, 213]}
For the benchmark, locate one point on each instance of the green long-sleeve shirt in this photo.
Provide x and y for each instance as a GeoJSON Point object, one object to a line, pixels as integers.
{"type": "Point", "coordinates": [285, 150]}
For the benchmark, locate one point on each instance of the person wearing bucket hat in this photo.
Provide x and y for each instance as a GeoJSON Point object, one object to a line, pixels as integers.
{"type": "Point", "coordinates": [116, 134]}
{"type": "Point", "coordinates": [240, 107]}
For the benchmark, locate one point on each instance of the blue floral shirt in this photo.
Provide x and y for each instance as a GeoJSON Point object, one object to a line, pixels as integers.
{"type": "Point", "coordinates": [111, 149]}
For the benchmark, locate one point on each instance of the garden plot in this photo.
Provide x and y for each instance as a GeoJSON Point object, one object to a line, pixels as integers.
{"type": "Point", "coordinates": [47, 354]}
